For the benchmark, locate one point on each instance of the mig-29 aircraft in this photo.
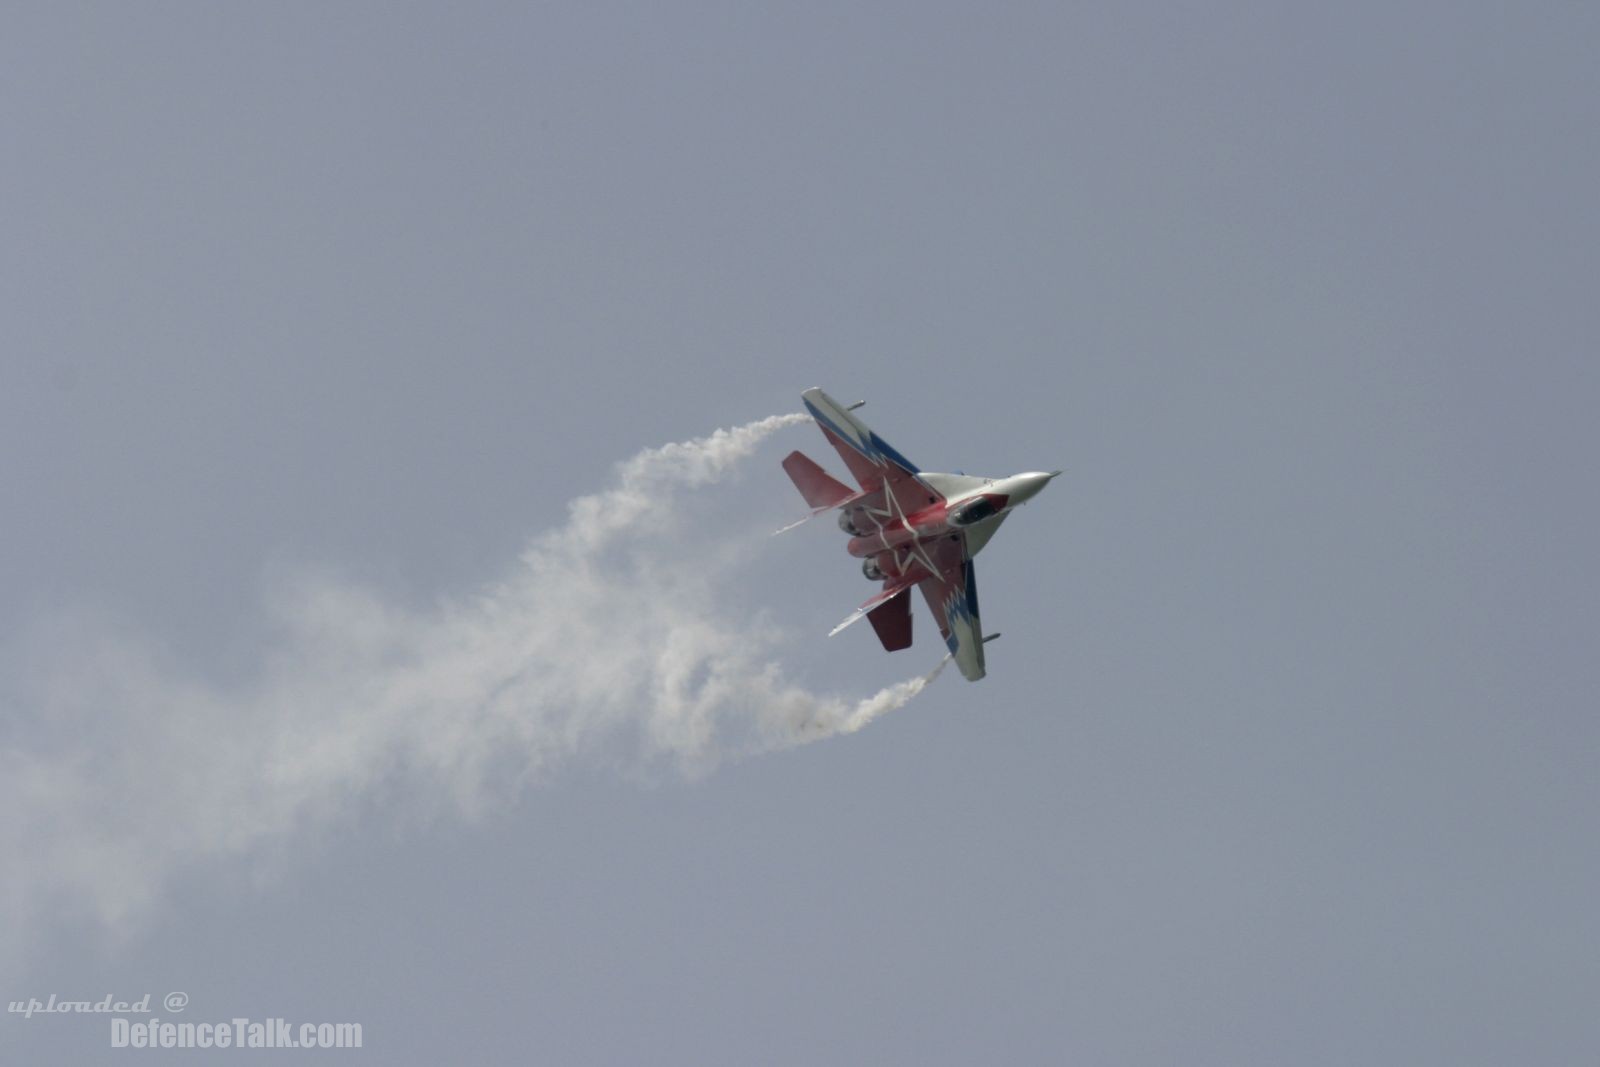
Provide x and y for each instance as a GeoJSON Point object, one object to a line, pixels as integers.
{"type": "Point", "coordinates": [909, 528]}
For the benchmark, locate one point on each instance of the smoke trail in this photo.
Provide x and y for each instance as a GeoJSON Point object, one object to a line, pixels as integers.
{"type": "Point", "coordinates": [606, 641]}
{"type": "Point", "coordinates": [833, 718]}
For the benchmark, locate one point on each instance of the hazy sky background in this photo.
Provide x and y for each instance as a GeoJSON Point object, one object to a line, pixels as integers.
{"type": "Point", "coordinates": [1289, 751]}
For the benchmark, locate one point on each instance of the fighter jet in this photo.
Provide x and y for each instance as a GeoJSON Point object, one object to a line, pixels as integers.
{"type": "Point", "coordinates": [909, 527]}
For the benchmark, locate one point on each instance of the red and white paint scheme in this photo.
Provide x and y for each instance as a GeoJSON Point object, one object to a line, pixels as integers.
{"type": "Point", "coordinates": [910, 528]}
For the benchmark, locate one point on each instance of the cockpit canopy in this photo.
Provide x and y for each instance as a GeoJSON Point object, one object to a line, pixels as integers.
{"type": "Point", "coordinates": [974, 511]}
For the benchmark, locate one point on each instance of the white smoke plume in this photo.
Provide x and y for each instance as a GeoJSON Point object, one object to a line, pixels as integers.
{"type": "Point", "coordinates": [605, 642]}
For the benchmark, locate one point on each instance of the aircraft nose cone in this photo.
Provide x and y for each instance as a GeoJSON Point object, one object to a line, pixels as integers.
{"type": "Point", "coordinates": [1028, 485]}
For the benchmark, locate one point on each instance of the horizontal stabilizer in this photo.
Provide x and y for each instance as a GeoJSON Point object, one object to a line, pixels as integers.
{"type": "Point", "coordinates": [820, 491]}
{"type": "Point", "coordinates": [886, 593]}
{"type": "Point", "coordinates": [855, 616]}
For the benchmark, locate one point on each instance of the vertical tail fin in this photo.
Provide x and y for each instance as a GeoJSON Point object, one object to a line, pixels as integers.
{"type": "Point", "coordinates": [814, 484]}
{"type": "Point", "coordinates": [892, 621]}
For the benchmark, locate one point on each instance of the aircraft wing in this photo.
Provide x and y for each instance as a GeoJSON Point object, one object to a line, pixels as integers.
{"type": "Point", "coordinates": [872, 462]}
{"type": "Point", "coordinates": [953, 598]}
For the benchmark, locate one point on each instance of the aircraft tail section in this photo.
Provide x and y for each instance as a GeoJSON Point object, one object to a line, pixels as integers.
{"type": "Point", "coordinates": [820, 490]}
{"type": "Point", "coordinates": [892, 621]}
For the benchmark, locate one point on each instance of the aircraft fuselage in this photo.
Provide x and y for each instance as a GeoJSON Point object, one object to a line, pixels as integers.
{"type": "Point", "coordinates": [909, 528]}
{"type": "Point", "coordinates": [886, 532]}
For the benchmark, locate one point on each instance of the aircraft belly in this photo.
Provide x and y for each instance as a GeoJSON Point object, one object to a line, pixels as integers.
{"type": "Point", "coordinates": [978, 533]}
{"type": "Point", "coordinates": [910, 527]}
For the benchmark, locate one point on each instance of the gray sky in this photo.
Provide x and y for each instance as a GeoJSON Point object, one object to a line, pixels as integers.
{"type": "Point", "coordinates": [1289, 751]}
